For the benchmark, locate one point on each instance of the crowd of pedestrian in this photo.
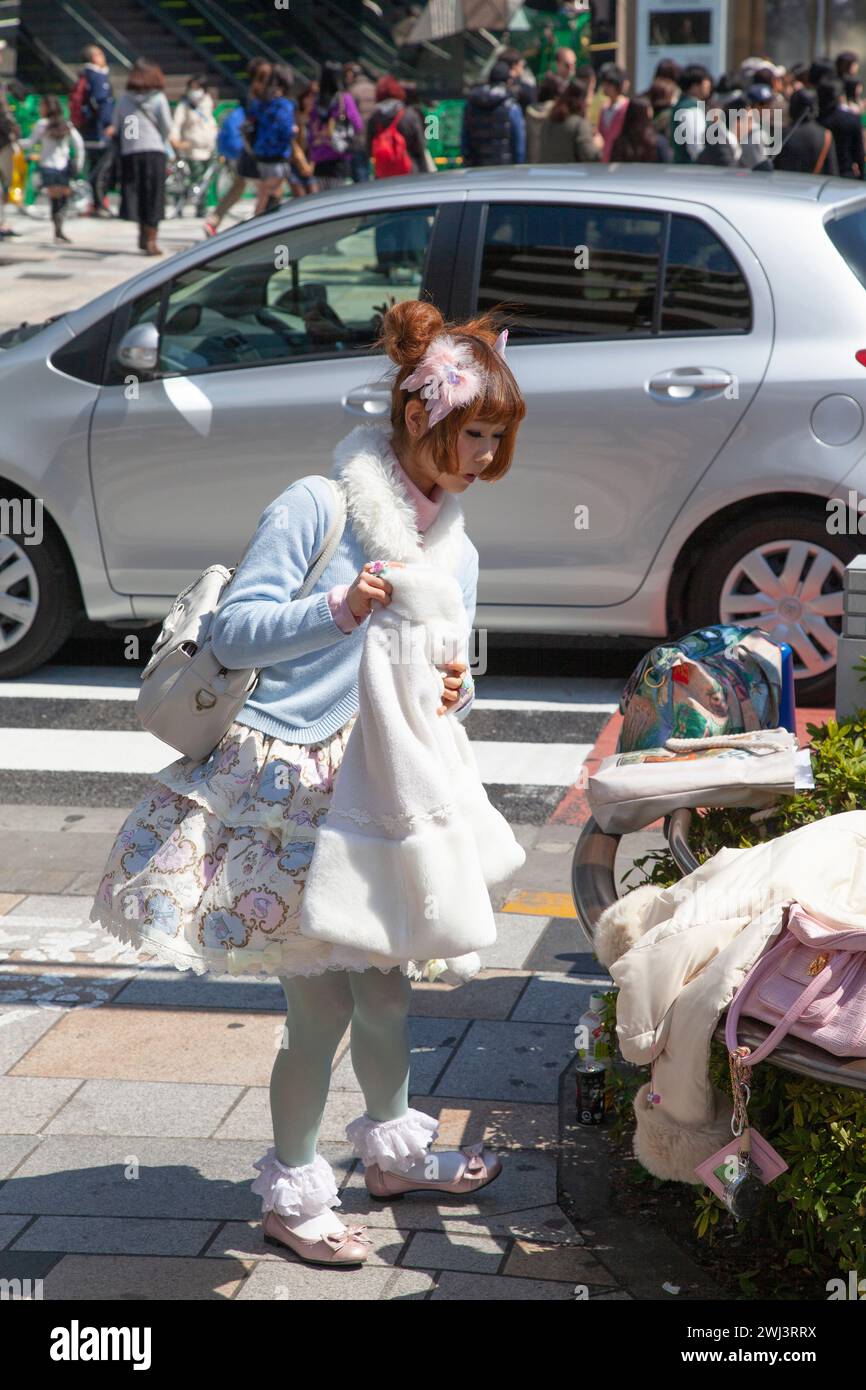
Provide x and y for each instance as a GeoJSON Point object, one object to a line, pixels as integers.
{"type": "Point", "coordinates": [295, 137]}
{"type": "Point", "coordinates": [805, 118]}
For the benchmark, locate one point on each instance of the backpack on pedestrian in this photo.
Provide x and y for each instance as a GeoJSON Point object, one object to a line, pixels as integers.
{"type": "Point", "coordinates": [390, 152]}
{"type": "Point", "coordinates": [79, 102]}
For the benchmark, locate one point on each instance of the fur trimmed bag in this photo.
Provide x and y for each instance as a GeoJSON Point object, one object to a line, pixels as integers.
{"type": "Point", "coordinates": [411, 844]}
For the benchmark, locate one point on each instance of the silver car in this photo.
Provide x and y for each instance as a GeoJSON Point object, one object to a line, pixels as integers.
{"type": "Point", "coordinates": [691, 344]}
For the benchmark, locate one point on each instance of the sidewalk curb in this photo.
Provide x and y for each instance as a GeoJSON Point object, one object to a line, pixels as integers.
{"type": "Point", "coordinates": [641, 1257]}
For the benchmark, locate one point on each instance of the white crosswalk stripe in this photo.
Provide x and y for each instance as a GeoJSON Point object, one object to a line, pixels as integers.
{"type": "Point", "coordinates": [70, 735]}
{"type": "Point", "coordinates": [82, 750]}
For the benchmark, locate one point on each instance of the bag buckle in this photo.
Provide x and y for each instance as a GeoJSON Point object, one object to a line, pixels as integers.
{"type": "Point", "coordinates": [205, 699]}
{"type": "Point", "coordinates": [818, 963]}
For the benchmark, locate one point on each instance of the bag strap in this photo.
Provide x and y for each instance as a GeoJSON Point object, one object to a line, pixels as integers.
{"type": "Point", "coordinates": [332, 540]}
{"type": "Point", "coordinates": [803, 1000]}
{"type": "Point", "coordinates": [329, 545]}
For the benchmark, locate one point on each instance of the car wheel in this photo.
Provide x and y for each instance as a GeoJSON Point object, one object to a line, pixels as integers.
{"type": "Point", "coordinates": [783, 573]}
{"type": "Point", "coordinates": [38, 599]}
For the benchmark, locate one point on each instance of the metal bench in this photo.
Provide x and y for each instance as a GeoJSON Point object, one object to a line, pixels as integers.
{"type": "Point", "coordinates": [593, 887]}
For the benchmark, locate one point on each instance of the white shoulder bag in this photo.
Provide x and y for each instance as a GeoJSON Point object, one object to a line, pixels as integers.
{"type": "Point", "coordinates": [187, 699]}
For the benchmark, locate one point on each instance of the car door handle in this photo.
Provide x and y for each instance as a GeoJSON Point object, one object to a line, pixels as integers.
{"type": "Point", "coordinates": [682, 384]}
{"type": "Point", "coordinates": [367, 400]}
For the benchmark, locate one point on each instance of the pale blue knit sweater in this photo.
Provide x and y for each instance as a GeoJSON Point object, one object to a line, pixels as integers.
{"type": "Point", "coordinates": [308, 687]}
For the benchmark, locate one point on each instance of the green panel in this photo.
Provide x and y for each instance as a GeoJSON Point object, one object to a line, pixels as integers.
{"type": "Point", "coordinates": [445, 145]}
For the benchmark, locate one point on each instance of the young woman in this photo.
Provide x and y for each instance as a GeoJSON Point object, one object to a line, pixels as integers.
{"type": "Point", "coordinates": [333, 129]}
{"type": "Point", "coordinates": [639, 142]}
{"type": "Point", "coordinates": [61, 154]}
{"type": "Point", "coordinates": [566, 134]}
{"type": "Point", "coordinates": [538, 111]}
{"type": "Point", "coordinates": [209, 868]}
{"type": "Point", "coordinates": [194, 128]}
{"type": "Point", "coordinates": [143, 122]}
{"type": "Point", "coordinates": [275, 133]}
{"type": "Point", "coordinates": [301, 176]}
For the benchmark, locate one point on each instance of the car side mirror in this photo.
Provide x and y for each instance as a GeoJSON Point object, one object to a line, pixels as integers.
{"type": "Point", "coordinates": [138, 349]}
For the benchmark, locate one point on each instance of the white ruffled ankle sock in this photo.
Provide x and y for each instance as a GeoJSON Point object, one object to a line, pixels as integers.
{"type": "Point", "coordinates": [393, 1143]}
{"type": "Point", "coordinates": [303, 1197]}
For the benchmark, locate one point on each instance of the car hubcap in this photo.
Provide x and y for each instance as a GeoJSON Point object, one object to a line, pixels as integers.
{"type": "Point", "coordinates": [19, 593]}
{"type": "Point", "coordinates": [793, 590]}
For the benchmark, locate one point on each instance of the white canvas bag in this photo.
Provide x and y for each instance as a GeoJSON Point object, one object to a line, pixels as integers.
{"type": "Point", "coordinates": [631, 790]}
{"type": "Point", "coordinates": [187, 698]}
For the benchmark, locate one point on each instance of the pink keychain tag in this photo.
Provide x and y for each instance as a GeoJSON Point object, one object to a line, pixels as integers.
{"type": "Point", "coordinates": [737, 1172]}
{"type": "Point", "coordinates": [721, 1169]}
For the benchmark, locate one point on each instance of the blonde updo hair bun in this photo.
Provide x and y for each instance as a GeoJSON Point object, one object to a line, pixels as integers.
{"type": "Point", "coordinates": [408, 329]}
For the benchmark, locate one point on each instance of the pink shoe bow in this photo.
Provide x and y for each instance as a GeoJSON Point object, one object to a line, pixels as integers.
{"type": "Point", "coordinates": [476, 1167]}
{"type": "Point", "coordinates": [337, 1239]}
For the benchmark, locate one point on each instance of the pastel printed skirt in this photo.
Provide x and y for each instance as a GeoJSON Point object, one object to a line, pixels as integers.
{"type": "Point", "coordinates": [208, 870]}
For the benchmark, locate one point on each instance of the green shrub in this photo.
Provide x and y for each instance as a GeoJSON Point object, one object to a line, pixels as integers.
{"type": "Point", "coordinates": [815, 1212]}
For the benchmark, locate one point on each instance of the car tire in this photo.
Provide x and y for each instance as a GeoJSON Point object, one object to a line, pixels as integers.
{"type": "Point", "coordinates": [719, 589]}
{"type": "Point", "coordinates": [49, 581]}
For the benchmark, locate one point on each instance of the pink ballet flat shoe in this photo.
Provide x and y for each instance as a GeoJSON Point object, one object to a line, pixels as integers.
{"type": "Point", "coordinates": [347, 1247]}
{"type": "Point", "coordinates": [481, 1168]}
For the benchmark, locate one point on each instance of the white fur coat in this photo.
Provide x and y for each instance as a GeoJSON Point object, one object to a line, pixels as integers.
{"type": "Point", "coordinates": [383, 517]}
{"type": "Point", "coordinates": [411, 844]}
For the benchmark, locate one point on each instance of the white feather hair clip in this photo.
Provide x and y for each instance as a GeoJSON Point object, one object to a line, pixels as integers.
{"type": "Point", "coordinates": [448, 375]}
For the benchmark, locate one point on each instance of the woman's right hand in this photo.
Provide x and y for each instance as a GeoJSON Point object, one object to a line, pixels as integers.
{"type": "Point", "coordinates": [367, 589]}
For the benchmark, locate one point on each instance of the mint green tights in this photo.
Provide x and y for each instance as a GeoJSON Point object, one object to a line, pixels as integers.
{"type": "Point", "coordinates": [320, 1009]}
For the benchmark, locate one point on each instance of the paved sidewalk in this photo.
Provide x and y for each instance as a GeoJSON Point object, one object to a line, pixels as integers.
{"type": "Point", "coordinates": [39, 278]}
{"type": "Point", "coordinates": [135, 1099]}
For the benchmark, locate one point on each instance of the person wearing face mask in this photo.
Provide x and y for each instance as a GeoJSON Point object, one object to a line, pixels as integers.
{"type": "Point", "coordinates": [194, 128]}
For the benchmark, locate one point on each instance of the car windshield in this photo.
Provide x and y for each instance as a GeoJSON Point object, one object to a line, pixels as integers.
{"type": "Point", "coordinates": [12, 336]}
{"type": "Point", "coordinates": [848, 235]}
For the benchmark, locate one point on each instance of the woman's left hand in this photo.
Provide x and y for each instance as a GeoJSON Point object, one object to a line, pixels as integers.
{"type": "Point", "coordinates": [451, 693]}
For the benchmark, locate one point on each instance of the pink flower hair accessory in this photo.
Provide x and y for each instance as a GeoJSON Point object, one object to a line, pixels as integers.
{"type": "Point", "coordinates": [448, 375]}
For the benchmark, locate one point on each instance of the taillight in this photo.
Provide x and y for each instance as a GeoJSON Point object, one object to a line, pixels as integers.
{"type": "Point", "coordinates": [861, 357]}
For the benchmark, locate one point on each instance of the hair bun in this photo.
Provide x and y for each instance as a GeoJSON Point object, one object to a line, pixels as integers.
{"type": "Point", "coordinates": [408, 329]}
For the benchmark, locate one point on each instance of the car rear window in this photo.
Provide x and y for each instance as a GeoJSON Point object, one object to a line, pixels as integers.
{"type": "Point", "coordinates": [848, 235]}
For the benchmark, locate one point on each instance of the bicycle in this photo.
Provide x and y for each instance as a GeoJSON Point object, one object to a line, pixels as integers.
{"type": "Point", "coordinates": [188, 181]}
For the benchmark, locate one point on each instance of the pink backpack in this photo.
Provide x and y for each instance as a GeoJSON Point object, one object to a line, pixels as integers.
{"type": "Point", "coordinates": [812, 983]}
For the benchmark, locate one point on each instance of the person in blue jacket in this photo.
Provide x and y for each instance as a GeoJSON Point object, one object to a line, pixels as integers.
{"type": "Point", "coordinates": [234, 146]}
{"type": "Point", "coordinates": [275, 129]}
{"type": "Point", "coordinates": [96, 129]}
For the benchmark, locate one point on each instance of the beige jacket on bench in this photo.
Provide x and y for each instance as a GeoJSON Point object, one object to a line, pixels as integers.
{"type": "Point", "coordinates": [678, 955]}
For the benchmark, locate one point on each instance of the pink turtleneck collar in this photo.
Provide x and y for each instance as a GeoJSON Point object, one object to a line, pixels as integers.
{"type": "Point", "coordinates": [426, 508]}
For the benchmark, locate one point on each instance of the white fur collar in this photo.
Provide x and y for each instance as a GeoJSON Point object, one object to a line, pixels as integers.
{"type": "Point", "coordinates": [382, 514]}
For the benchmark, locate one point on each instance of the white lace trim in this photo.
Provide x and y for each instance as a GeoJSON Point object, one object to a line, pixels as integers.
{"type": "Point", "coordinates": [265, 964]}
{"type": "Point", "coordinates": [303, 1191]}
{"type": "Point", "coordinates": [392, 1144]}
